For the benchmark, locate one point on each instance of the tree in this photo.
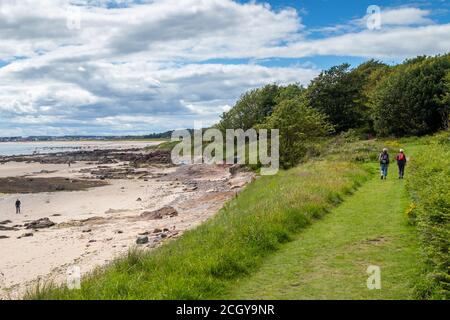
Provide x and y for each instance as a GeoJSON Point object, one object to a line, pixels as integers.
{"type": "Point", "coordinates": [299, 126]}
{"type": "Point", "coordinates": [289, 92]}
{"type": "Point", "coordinates": [410, 99]}
{"type": "Point", "coordinates": [446, 103]}
{"type": "Point", "coordinates": [369, 74]}
{"type": "Point", "coordinates": [251, 109]}
{"type": "Point", "coordinates": [337, 93]}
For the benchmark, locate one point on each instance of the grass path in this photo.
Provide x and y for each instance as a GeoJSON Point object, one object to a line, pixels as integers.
{"type": "Point", "coordinates": [329, 259]}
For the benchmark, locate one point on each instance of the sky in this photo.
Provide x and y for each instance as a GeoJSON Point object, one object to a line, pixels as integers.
{"type": "Point", "coordinates": [105, 67]}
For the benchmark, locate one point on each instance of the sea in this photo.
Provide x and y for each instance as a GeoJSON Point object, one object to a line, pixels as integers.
{"type": "Point", "coordinates": [46, 147]}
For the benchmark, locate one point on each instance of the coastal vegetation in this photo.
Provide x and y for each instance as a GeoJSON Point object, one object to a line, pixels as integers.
{"type": "Point", "coordinates": [205, 262]}
{"type": "Point", "coordinates": [429, 187]}
{"type": "Point", "coordinates": [330, 136]}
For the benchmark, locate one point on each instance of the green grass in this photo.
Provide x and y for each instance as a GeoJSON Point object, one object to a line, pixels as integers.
{"type": "Point", "coordinates": [430, 189]}
{"type": "Point", "coordinates": [205, 262]}
{"type": "Point", "coordinates": [286, 237]}
{"type": "Point", "coordinates": [329, 259]}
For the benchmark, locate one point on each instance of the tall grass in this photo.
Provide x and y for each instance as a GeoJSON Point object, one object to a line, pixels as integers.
{"type": "Point", "coordinates": [204, 262]}
{"type": "Point", "coordinates": [430, 188]}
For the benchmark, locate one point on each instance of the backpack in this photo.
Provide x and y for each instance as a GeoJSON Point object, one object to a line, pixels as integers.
{"type": "Point", "coordinates": [401, 157]}
{"type": "Point", "coordinates": [384, 158]}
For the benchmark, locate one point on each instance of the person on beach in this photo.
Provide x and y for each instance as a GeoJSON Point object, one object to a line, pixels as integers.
{"type": "Point", "coordinates": [401, 163]}
{"type": "Point", "coordinates": [18, 203]}
{"type": "Point", "coordinates": [384, 163]}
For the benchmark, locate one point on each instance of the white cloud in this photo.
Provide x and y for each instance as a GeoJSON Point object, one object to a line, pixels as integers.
{"type": "Point", "coordinates": [387, 43]}
{"type": "Point", "coordinates": [405, 17]}
{"type": "Point", "coordinates": [147, 67]}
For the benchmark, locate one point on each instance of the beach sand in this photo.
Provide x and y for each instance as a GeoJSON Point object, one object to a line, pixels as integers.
{"type": "Point", "coordinates": [99, 224]}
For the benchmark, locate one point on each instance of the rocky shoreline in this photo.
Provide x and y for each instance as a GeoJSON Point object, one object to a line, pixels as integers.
{"type": "Point", "coordinates": [128, 198]}
{"type": "Point", "coordinates": [135, 156]}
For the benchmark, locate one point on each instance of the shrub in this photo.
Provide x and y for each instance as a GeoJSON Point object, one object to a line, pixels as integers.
{"type": "Point", "coordinates": [430, 188]}
{"type": "Point", "coordinates": [411, 213]}
{"type": "Point", "coordinates": [300, 126]}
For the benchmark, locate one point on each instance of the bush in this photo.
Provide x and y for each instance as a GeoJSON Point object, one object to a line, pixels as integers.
{"type": "Point", "coordinates": [430, 188]}
{"type": "Point", "coordinates": [300, 126]}
{"type": "Point", "coordinates": [411, 213]}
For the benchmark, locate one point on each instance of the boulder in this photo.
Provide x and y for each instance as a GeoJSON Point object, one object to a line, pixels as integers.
{"type": "Point", "coordinates": [4, 228]}
{"type": "Point", "coordinates": [142, 240]}
{"type": "Point", "coordinates": [26, 235]}
{"type": "Point", "coordinates": [160, 213]}
{"type": "Point", "coordinates": [40, 224]}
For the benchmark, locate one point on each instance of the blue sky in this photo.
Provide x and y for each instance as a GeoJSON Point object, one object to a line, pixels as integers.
{"type": "Point", "coordinates": [316, 14]}
{"type": "Point", "coordinates": [134, 67]}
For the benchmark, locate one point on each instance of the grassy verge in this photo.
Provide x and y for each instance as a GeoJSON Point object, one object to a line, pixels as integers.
{"type": "Point", "coordinates": [430, 189]}
{"type": "Point", "coordinates": [205, 262]}
{"type": "Point", "coordinates": [329, 259]}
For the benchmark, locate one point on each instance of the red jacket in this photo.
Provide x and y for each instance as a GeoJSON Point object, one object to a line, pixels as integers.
{"type": "Point", "coordinates": [401, 157]}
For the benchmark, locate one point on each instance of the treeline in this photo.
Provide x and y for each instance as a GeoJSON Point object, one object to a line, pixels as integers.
{"type": "Point", "coordinates": [161, 135]}
{"type": "Point", "coordinates": [373, 99]}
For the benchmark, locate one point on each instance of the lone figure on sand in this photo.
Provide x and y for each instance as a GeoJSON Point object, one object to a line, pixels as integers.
{"type": "Point", "coordinates": [401, 162]}
{"type": "Point", "coordinates": [18, 203]}
{"type": "Point", "coordinates": [384, 163]}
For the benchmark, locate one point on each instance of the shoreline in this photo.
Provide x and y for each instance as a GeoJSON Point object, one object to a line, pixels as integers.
{"type": "Point", "coordinates": [98, 224]}
{"type": "Point", "coordinates": [42, 147]}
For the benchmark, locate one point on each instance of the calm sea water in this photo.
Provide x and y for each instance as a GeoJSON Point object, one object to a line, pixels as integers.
{"type": "Point", "coordinates": [27, 148]}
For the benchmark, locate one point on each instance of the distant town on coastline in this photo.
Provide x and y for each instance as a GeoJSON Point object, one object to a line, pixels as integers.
{"type": "Point", "coordinates": [161, 135]}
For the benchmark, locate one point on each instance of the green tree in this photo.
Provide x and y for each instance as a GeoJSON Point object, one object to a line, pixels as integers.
{"type": "Point", "coordinates": [410, 99]}
{"type": "Point", "coordinates": [446, 103]}
{"type": "Point", "coordinates": [369, 74]}
{"type": "Point", "coordinates": [251, 109]}
{"type": "Point", "coordinates": [290, 92]}
{"type": "Point", "coordinates": [299, 127]}
{"type": "Point", "coordinates": [337, 93]}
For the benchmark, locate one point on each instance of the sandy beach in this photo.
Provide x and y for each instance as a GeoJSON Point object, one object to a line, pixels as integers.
{"type": "Point", "coordinates": [95, 225]}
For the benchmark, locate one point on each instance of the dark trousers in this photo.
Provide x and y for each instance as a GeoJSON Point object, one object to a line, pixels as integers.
{"type": "Point", "coordinates": [401, 169]}
{"type": "Point", "coordinates": [17, 210]}
{"type": "Point", "coordinates": [384, 169]}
